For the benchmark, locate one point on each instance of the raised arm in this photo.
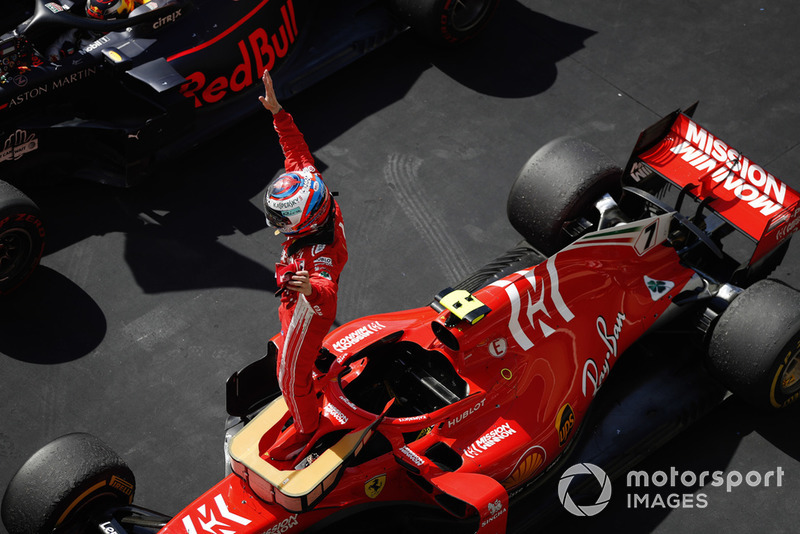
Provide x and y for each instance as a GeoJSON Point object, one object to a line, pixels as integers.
{"type": "Point", "coordinates": [269, 100]}
{"type": "Point", "coordinates": [293, 144]}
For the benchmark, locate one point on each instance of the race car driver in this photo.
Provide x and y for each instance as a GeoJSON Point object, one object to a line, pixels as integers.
{"type": "Point", "coordinates": [111, 9]}
{"type": "Point", "coordinates": [300, 206]}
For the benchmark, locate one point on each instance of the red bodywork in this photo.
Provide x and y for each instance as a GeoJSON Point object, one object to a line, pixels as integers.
{"type": "Point", "coordinates": [532, 366]}
{"type": "Point", "coordinates": [529, 353]}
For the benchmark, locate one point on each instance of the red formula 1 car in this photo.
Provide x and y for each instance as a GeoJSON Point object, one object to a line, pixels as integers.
{"type": "Point", "coordinates": [459, 407]}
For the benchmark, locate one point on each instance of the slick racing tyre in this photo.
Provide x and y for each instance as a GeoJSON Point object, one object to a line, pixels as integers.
{"type": "Point", "coordinates": [445, 22]}
{"type": "Point", "coordinates": [755, 346]}
{"type": "Point", "coordinates": [21, 237]}
{"type": "Point", "coordinates": [557, 187]}
{"type": "Point", "coordinates": [63, 483]}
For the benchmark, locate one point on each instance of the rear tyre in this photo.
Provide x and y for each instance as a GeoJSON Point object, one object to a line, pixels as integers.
{"type": "Point", "coordinates": [755, 346]}
{"type": "Point", "coordinates": [63, 483]}
{"type": "Point", "coordinates": [558, 185]}
{"type": "Point", "coordinates": [445, 22]}
{"type": "Point", "coordinates": [22, 237]}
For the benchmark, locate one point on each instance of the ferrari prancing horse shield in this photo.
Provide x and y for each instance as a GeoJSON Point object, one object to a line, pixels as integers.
{"type": "Point", "coordinates": [374, 486]}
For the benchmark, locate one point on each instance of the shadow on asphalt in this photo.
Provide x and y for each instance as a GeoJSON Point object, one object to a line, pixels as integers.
{"type": "Point", "coordinates": [50, 320]}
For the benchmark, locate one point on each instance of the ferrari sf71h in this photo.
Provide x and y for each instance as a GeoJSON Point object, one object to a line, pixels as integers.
{"type": "Point", "coordinates": [461, 406]}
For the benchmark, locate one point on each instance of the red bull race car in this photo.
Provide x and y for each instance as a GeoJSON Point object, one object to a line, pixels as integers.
{"type": "Point", "coordinates": [144, 88]}
{"type": "Point", "coordinates": [461, 410]}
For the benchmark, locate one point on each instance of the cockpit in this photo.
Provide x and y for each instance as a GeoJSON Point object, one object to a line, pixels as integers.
{"type": "Point", "coordinates": [422, 381]}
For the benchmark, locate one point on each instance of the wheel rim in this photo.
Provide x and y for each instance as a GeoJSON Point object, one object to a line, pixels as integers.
{"type": "Point", "coordinates": [16, 246]}
{"type": "Point", "coordinates": [466, 14]}
{"type": "Point", "coordinates": [790, 377]}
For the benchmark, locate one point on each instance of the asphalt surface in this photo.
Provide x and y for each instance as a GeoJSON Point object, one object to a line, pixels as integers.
{"type": "Point", "coordinates": [148, 299]}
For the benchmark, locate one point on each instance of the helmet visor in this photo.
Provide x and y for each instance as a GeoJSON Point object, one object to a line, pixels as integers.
{"type": "Point", "coordinates": [276, 219]}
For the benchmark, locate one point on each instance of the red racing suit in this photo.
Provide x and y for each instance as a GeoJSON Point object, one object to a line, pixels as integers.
{"type": "Point", "coordinates": [306, 320]}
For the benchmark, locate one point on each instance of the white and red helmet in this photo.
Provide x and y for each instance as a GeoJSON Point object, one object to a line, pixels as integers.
{"type": "Point", "coordinates": [109, 9]}
{"type": "Point", "coordinates": [297, 203]}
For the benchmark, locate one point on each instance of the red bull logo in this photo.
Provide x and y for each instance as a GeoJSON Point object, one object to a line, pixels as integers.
{"type": "Point", "coordinates": [258, 51]}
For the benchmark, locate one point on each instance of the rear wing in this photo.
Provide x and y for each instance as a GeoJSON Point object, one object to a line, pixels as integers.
{"type": "Point", "coordinates": [720, 178]}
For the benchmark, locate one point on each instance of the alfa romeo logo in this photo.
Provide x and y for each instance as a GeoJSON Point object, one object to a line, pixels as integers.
{"type": "Point", "coordinates": [590, 509]}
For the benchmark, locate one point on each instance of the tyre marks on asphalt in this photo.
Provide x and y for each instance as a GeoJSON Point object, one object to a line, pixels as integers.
{"type": "Point", "coordinates": [52, 401]}
{"type": "Point", "coordinates": [401, 174]}
{"type": "Point", "coordinates": [159, 324]}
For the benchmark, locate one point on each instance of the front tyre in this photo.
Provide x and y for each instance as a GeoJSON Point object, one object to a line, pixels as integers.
{"type": "Point", "coordinates": [755, 347]}
{"type": "Point", "coordinates": [22, 237]}
{"type": "Point", "coordinates": [63, 483]}
{"type": "Point", "coordinates": [446, 22]}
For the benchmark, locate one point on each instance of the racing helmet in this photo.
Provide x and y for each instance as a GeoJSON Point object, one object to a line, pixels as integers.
{"type": "Point", "coordinates": [297, 203]}
{"type": "Point", "coordinates": [109, 9]}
